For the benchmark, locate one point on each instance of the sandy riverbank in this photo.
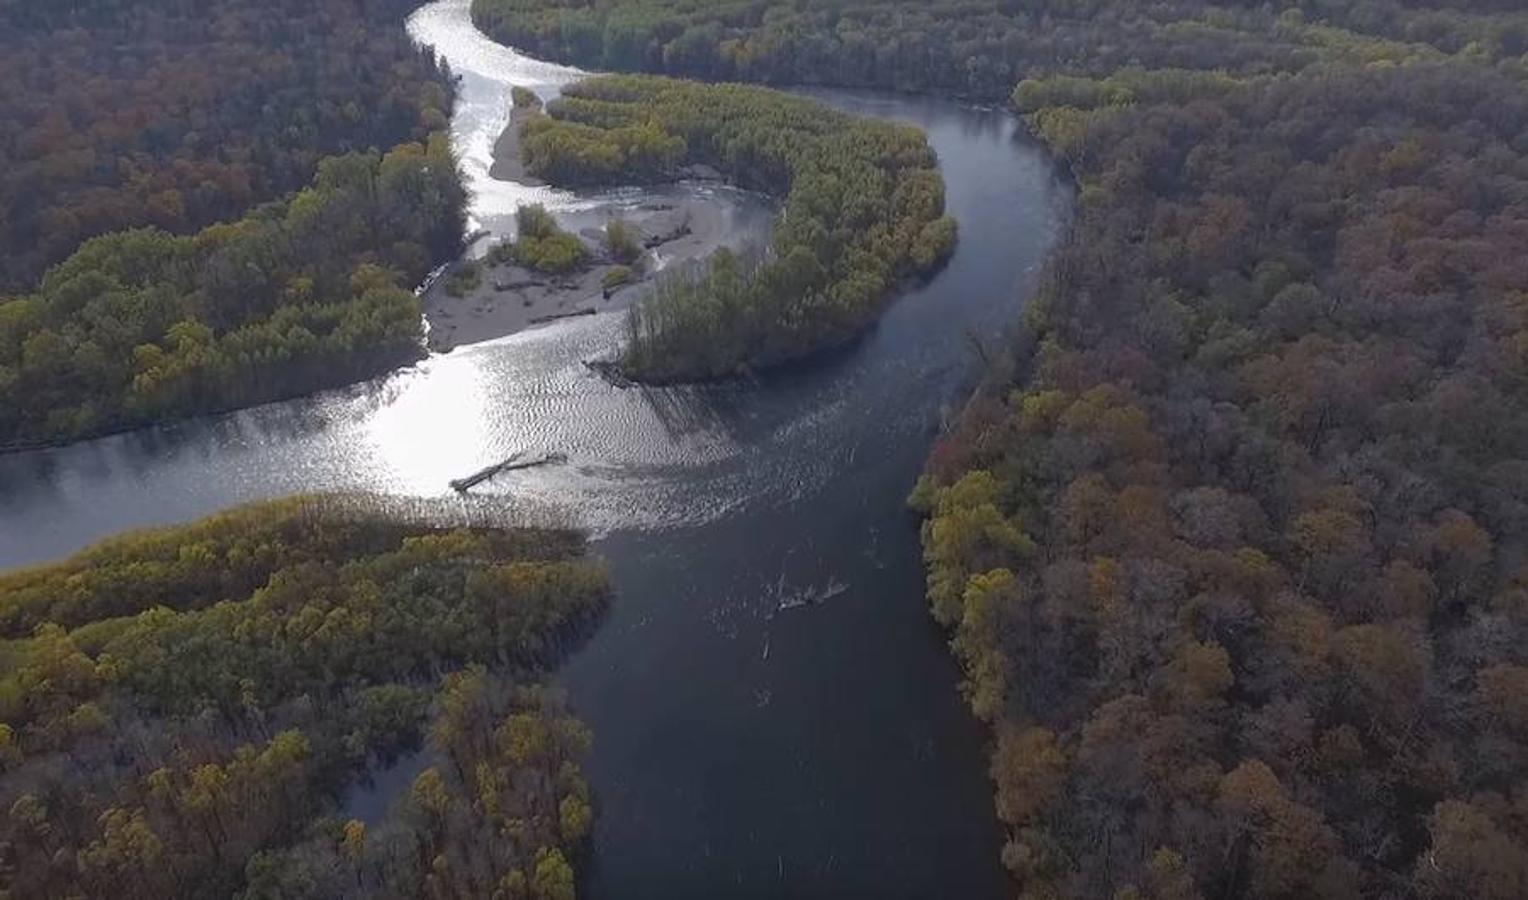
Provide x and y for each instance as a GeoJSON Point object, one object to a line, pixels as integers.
{"type": "Point", "coordinates": [677, 224]}
{"type": "Point", "coordinates": [510, 298]}
{"type": "Point", "coordinates": [507, 165]}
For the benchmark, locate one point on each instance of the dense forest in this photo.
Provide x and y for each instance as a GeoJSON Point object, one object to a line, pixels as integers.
{"type": "Point", "coordinates": [981, 48]}
{"type": "Point", "coordinates": [308, 292]}
{"type": "Point", "coordinates": [181, 709]}
{"type": "Point", "coordinates": [170, 138]}
{"type": "Point", "coordinates": [1235, 559]}
{"type": "Point", "coordinates": [177, 115]}
{"type": "Point", "coordinates": [1236, 566]}
{"type": "Point", "coordinates": [1231, 545]}
{"type": "Point", "coordinates": [863, 207]}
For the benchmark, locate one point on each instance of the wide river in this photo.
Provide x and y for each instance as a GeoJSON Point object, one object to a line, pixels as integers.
{"type": "Point", "coordinates": [774, 712]}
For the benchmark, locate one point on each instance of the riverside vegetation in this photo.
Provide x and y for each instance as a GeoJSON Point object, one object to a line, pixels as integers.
{"type": "Point", "coordinates": [121, 115]}
{"type": "Point", "coordinates": [135, 128]}
{"type": "Point", "coordinates": [181, 708]}
{"type": "Point", "coordinates": [1231, 545]}
{"type": "Point", "coordinates": [862, 209]}
{"type": "Point", "coordinates": [540, 244]}
{"type": "Point", "coordinates": [308, 292]}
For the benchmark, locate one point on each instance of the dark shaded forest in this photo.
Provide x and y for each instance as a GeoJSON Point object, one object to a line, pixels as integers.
{"type": "Point", "coordinates": [1231, 544]}
{"type": "Point", "coordinates": [1236, 565]}
{"type": "Point", "coordinates": [181, 709]}
{"type": "Point", "coordinates": [862, 208]}
{"type": "Point", "coordinates": [309, 292]}
{"type": "Point", "coordinates": [178, 115]}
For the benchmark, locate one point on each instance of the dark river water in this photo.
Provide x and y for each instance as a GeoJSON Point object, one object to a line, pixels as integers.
{"type": "Point", "coordinates": [774, 712]}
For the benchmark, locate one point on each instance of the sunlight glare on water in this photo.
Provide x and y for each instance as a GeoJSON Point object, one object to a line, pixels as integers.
{"type": "Point", "coordinates": [487, 71]}
{"type": "Point", "coordinates": [435, 429]}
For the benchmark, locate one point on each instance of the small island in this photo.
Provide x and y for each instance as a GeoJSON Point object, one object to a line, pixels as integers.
{"type": "Point", "coordinates": [546, 273]}
{"type": "Point", "coordinates": [862, 209]}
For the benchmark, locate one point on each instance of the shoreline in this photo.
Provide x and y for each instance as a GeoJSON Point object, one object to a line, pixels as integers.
{"type": "Point", "coordinates": [507, 165]}
{"type": "Point", "coordinates": [674, 230]}
{"type": "Point", "coordinates": [402, 362]}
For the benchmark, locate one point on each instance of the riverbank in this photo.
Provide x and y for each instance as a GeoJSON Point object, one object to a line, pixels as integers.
{"type": "Point", "coordinates": [509, 298]}
{"type": "Point", "coordinates": [507, 165]}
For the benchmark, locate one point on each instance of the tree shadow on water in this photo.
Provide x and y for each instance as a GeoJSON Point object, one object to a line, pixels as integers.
{"type": "Point", "coordinates": [690, 409]}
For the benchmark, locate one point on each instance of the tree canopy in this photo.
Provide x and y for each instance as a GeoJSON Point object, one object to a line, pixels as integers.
{"type": "Point", "coordinates": [174, 115]}
{"type": "Point", "coordinates": [862, 208]}
{"type": "Point", "coordinates": [981, 48]}
{"type": "Point", "coordinates": [180, 709]}
{"type": "Point", "coordinates": [1232, 550]}
{"type": "Point", "coordinates": [1231, 544]}
{"type": "Point", "coordinates": [308, 292]}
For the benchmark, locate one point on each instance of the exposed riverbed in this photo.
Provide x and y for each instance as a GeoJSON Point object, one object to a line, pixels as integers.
{"type": "Point", "coordinates": [678, 223]}
{"type": "Point", "coordinates": [773, 711]}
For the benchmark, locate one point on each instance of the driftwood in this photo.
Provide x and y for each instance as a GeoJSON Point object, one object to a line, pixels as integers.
{"type": "Point", "coordinates": [610, 372]}
{"type": "Point", "coordinates": [513, 462]}
{"type": "Point", "coordinates": [658, 240]}
{"type": "Point", "coordinates": [500, 284]}
{"type": "Point", "coordinates": [552, 317]}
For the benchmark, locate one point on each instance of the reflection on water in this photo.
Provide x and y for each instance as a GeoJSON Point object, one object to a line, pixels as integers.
{"type": "Point", "coordinates": [483, 105]}
{"type": "Point", "coordinates": [773, 711]}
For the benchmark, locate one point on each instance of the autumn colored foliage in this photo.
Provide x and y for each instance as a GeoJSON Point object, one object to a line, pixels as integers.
{"type": "Point", "coordinates": [1233, 551]}
{"type": "Point", "coordinates": [1234, 564]}
{"type": "Point", "coordinates": [981, 48]}
{"type": "Point", "coordinates": [181, 709]}
{"type": "Point", "coordinates": [862, 208]}
{"type": "Point", "coordinates": [177, 115]}
{"type": "Point", "coordinates": [207, 206]}
{"type": "Point", "coordinates": [309, 292]}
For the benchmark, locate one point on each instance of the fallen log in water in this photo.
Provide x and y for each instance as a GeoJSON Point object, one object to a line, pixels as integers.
{"type": "Point", "coordinates": [501, 284]}
{"type": "Point", "coordinates": [552, 317]}
{"type": "Point", "coordinates": [609, 371]}
{"type": "Point", "coordinates": [513, 462]}
{"type": "Point", "coordinates": [658, 240]}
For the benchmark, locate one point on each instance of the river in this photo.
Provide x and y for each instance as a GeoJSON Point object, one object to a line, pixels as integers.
{"type": "Point", "coordinates": [774, 712]}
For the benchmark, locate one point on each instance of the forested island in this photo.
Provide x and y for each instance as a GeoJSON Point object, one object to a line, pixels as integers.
{"type": "Point", "coordinates": [862, 208]}
{"type": "Point", "coordinates": [180, 709]}
{"type": "Point", "coordinates": [1231, 543]}
{"type": "Point", "coordinates": [170, 140]}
